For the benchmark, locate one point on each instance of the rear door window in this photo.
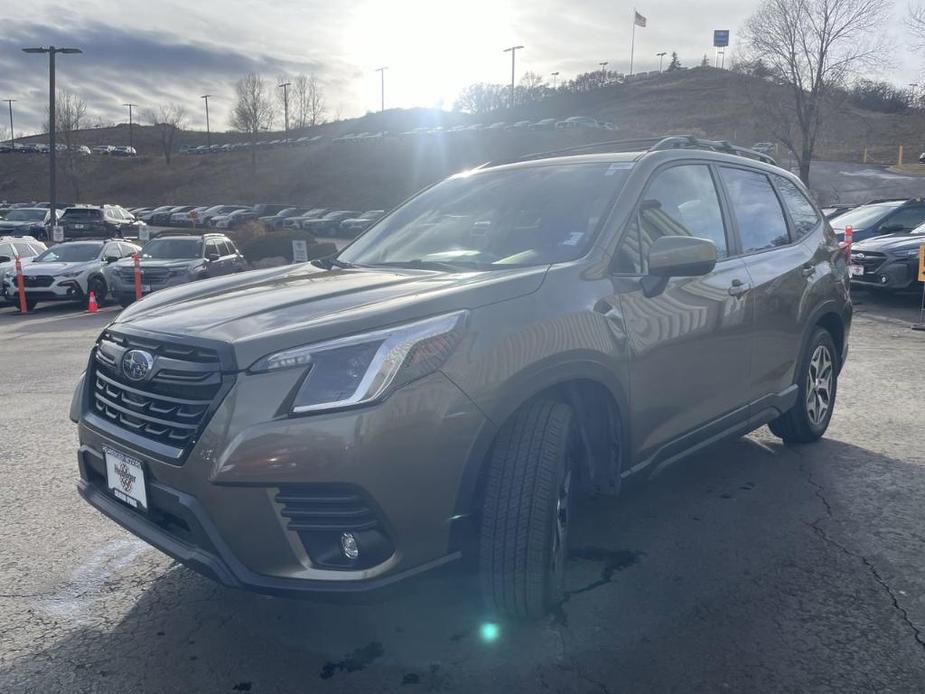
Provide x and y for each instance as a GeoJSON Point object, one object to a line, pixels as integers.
{"type": "Point", "coordinates": [802, 213]}
{"type": "Point", "coordinates": [757, 210]}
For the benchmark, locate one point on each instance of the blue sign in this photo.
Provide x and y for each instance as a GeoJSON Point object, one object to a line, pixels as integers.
{"type": "Point", "coordinates": [721, 38]}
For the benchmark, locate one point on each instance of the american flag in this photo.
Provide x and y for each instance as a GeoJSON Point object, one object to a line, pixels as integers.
{"type": "Point", "coordinates": [639, 20]}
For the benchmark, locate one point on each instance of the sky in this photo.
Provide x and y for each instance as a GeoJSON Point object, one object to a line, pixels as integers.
{"type": "Point", "coordinates": [154, 53]}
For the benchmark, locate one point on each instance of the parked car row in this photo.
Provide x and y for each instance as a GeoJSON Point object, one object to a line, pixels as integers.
{"type": "Point", "coordinates": [76, 221]}
{"type": "Point", "coordinates": [239, 146]}
{"type": "Point", "coordinates": [69, 271]}
{"type": "Point", "coordinates": [321, 221]}
{"type": "Point", "coordinates": [8, 147]}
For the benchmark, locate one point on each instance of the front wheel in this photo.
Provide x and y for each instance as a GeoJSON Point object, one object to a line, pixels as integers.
{"type": "Point", "coordinates": [97, 285]}
{"type": "Point", "coordinates": [526, 511]}
{"type": "Point", "coordinates": [817, 382]}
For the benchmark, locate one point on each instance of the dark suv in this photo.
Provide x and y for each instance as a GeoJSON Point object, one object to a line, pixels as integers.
{"type": "Point", "coordinates": [453, 378]}
{"type": "Point", "coordinates": [880, 217]}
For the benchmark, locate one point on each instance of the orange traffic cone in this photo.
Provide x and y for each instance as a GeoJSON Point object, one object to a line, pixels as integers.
{"type": "Point", "coordinates": [92, 307]}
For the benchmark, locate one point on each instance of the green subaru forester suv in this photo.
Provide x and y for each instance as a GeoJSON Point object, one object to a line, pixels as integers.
{"type": "Point", "coordinates": [454, 378]}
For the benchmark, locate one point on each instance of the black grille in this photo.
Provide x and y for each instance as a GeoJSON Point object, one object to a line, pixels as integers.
{"type": "Point", "coordinates": [38, 281]}
{"type": "Point", "coordinates": [148, 275]}
{"type": "Point", "coordinates": [869, 261]}
{"type": "Point", "coordinates": [171, 404]}
{"type": "Point", "coordinates": [312, 508]}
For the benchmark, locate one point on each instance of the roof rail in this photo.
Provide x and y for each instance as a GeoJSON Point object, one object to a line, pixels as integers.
{"type": "Point", "coordinates": [644, 144]}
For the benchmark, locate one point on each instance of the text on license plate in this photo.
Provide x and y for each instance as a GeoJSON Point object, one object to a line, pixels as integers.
{"type": "Point", "coordinates": [125, 477]}
{"type": "Point", "coordinates": [855, 270]}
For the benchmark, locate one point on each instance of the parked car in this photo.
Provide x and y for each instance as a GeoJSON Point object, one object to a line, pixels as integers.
{"type": "Point", "coordinates": [615, 316]}
{"type": "Point", "coordinates": [880, 217]}
{"type": "Point", "coordinates": [544, 124]}
{"type": "Point", "coordinates": [519, 125]}
{"type": "Point", "coordinates": [836, 210]}
{"type": "Point", "coordinates": [329, 224]}
{"type": "Point", "coordinates": [161, 217]}
{"type": "Point", "coordinates": [67, 272]}
{"type": "Point", "coordinates": [103, 149]}
{"type": "Point", "coordinates": [889, 262]}
{"type": "Point", "coordinates": [11, 247]}
{"type": "Point", "coordinates": [275, 221]}
{"type": "Point", "coordinates": [185, 217]}
{"type": "Point", "coordinates": [170, 260]}
{"type": "Point", "coordinates": [149, 215]}
{"type": "Point", "coordinates": [207, 217]}
{"type": "Point", "coordinates": [577, 122]}
{"type": "Point", "coordinates": [27, 221]}
{"type": "Point", "coordinates": [123, 151]}
{"type": "Point", "coordinates": [353, 226]}
{"type": "Point", "coordinates": [298, 222]}
{"type": "Point", "coordinates": [767, 148]}
{"type": "Point", "coordinates": [98, 221]}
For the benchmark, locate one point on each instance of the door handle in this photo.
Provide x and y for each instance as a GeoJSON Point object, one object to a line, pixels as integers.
{"type": "Point", "coordinates": [739, 288]}
{"type": "Point", "coordinates": [808, 269]}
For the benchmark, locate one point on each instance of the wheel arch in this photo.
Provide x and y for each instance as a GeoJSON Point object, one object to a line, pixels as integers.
{"type": "Point", "coordinates": [599, 401]}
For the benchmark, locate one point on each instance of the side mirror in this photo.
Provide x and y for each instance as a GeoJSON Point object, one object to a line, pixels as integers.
{"type": "Point", "coordinates": [677, 256]}
{"type": "Point", "coordinates": [110, 258]}
{"type": "Point", "coordinates": [5, 258]}
{"type": "Point", "coordinates": [212, 256]}
{"type": "Point", "coordinates": [890, 228]}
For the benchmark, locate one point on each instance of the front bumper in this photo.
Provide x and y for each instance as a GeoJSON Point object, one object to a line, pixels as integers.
{"type": "Point", "coordinates": [60, 290]}
{"type": "Point", "coordinates": [121, 288]}
{"type": "Point", "coordinates": [893, 274]}
{"type": "Point", "coordinates": [218, 510]}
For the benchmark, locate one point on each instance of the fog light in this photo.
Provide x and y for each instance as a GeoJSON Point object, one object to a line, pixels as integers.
{"type": "Point", "coordinates": [883, 279]}
{"type": "Point", "coordinates": [348, 545]}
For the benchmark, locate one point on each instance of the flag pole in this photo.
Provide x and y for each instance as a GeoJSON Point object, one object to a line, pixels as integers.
{"type": "Point", "coordinates": [633, 42]}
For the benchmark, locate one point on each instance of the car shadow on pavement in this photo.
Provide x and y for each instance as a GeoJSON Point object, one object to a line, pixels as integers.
{"type": "Point", "coordinates": [744, 567]}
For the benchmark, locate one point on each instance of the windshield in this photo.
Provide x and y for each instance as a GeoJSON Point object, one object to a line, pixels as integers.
{"type": "Point", "coordinates": [865, 215]}
{"type": "Point", "coordinates": [523, 216]}
{"type": "Point", "coordinates": [70, 253]}
{"type": "Point", "coordinates": [35, 215]}
{"type": "Point", "coordinates": [165, 249]}
{"type": "Point", "coordinates": [82, 214]}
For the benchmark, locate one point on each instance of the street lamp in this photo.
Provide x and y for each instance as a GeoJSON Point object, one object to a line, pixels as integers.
{"type": "Point", "coordinates": [52, 149]}
{"type": "Point", "coordinates": [381, 71]}
{"type": "Point", "coordinates": [205, 97]}
{"type": "Point", "coordinates": [513, 51]}
{"type": "Point", "coordinates": [131, 125]}
{"type": "Point", "coordinates": [603, 65]}
{"type": "Point", "coordinates": [11, 102]}
{"type": "Point", "coordinates": [661, 57]}
{"type": "Point", "coordinates": [285, 87]}
{"type": "Point", "coordinates": [555, 78]}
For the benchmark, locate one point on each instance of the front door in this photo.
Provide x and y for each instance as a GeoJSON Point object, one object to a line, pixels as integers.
{"type": "Point", "coordinates": [690, 347]}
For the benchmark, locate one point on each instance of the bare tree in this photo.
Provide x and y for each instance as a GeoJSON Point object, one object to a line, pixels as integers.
{"type": "Point", "coordinates": [70, 117]}
{"type": "Point", "coordinates": [916, 23]}
{"type": "Point", "coordinates": [168, 120]}
{"type": "Point", "coordinates": [253, 110]}
{"type": "Point", "coordinates": [532, 88]}
{"type": "Point", "coordinates": [482, 97]}
{"type": "Point", "coordinates": [811, 48]}
{"type": "Point", "coordinates": [313, 109]}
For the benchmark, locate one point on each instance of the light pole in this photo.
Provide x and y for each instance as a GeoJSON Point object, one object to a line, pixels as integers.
{"type": "Point", "coordinates": [285, 87]}
{"type": "Point", "coordinates": [205, 97]}
{"type": "Point", "coordinates": [52, 149]}
{"type": "Point", "coordinates": [603, 72]}
{"type": "Point", "coordinates": [381, 71]}
{"type": "Point", "coordinates": [513, 51]}
{"type": "Point", "coordinates": [11, 102]}
{"type": "Point", "coordinates": [661, 57]}
{"type": "Point", "coordinates": [131, 125]}
{"type": "Point", "coordinates": [555, 78]}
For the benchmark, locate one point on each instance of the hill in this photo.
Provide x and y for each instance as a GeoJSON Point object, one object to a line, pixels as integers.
{"type": "Point", "coordinates": [371, 174]}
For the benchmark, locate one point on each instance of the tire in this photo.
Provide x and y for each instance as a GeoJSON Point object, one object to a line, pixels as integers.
{"type": "Point", "coordinates": [30, 304]}
{"type": "Point", "coordinates": [805, 422]}
{"type": "Point", "coordinates": [97, 285]}
{"type": "Point", "coordinates": [527, 502]}
{"type": "Point", "coordinates": [126, 301]}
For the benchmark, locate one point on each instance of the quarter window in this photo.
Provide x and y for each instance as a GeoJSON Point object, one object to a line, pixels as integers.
{"type": "Point", "coordinates": [681, 201]}
{"type": "Point", "coordinates": [756, 208]}
{"type": "Point", "coordinates": [802, 213]}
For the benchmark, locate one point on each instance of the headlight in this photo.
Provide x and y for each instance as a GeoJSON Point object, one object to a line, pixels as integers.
{"type": "Point", "coordinates": [75, 273]}
{"type": "Point", "coordinates": [363, 368]}
{"type": "Point", "coordinates": [908, 253]}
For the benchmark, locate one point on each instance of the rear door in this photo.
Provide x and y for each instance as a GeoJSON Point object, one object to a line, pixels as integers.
{"type": "Point", "coordinates": [690, 343]}
{"type": "Point", "coordinates": [782, 262]}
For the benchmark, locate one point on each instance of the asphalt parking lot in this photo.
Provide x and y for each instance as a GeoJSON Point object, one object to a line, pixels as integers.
{"type": "Point", "coordinates": [748, 567]}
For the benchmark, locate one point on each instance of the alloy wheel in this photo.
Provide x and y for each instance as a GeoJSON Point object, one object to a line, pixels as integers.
{"type": "Point", "coordinates": [819, 385]}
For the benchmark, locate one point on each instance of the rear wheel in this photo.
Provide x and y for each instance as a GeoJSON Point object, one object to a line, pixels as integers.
{"type": "Point", "coordinates": [526, 511]}
{"type": "Point", "coordinates": [817, 381]}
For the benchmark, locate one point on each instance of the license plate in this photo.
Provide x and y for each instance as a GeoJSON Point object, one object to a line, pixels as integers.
{"type": "Point", "coordinates": [80, 226]}
{"type": "Point", "coordinates": [126, 479]}
{"type": "Point", "coordinates": [855, 270]}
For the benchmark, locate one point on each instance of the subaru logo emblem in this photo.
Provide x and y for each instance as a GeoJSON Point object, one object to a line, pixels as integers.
{"type": "Point", "coordinates": [860, 256]}
{"type": "Point", "coordinates": [137, 364]}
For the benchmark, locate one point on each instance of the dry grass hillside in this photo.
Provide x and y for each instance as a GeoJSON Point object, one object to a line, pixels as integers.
{"type": "Point", "coordinates": [707, 102]}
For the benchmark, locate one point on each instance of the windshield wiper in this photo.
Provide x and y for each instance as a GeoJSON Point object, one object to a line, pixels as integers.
{"type": "Point", "coordinates": [328, 263]}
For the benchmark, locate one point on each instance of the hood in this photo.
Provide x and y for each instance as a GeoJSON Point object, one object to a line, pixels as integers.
{"type": "Point", "coordinates": [890, 242]}
{"type": "Point", "coordinates": [264, 311]}
{"type": "Point", "coordinates": [7, 224]}
{"type": "Point", "coordinates": [11, 265]}
{"type": "Point", "coordinates": [55, 268]}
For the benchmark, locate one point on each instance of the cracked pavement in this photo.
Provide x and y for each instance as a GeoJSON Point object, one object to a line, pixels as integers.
{"type": "Point", "coordinates": [749, 567]}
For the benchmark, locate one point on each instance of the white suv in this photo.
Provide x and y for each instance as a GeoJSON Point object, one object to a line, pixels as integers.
{"type": "Point", "coordinates": [67, 272]}
{"type": "Point", "coordinates": [26, 247]}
